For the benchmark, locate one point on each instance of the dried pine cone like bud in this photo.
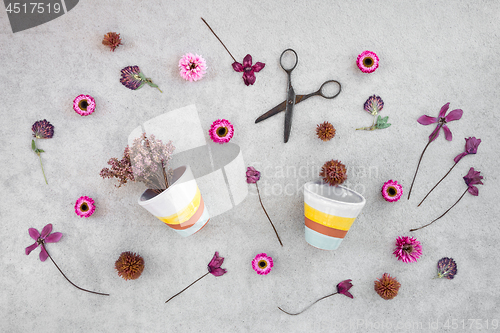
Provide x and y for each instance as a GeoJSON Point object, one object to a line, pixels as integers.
{"type": "Point", "coordinates": [387, 286]}
{"type": "Point", "coordinates": [129, 265]}
{"type": "Point", "coordinates": [112, 39]}
{"type": "Point", "coordinates": [325, 131]}
{"type": "Point", "coordinates": [333, 172]}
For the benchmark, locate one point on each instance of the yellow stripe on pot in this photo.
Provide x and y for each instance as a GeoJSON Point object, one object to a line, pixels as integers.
{"type": "Point", "coordinates": [184, 214]}
{"type": "Point", "coordinates": [331, 221]}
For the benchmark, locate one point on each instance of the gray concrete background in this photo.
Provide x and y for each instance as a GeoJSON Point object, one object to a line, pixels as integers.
{"type": "Point", "coordinates": [430, 53]}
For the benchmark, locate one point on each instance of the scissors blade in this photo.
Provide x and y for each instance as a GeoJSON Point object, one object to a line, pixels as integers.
{"type": "Point", "coordinates": [290, 102]}
{"type": "Point", "coordinates": [277, 109]}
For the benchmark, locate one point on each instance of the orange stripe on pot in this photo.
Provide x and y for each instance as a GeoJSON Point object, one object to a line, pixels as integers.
{"type": "Point", "coordinates": [327, 231]}
{"type": "Point", "coordinates": [189, 223]}
{"type": "Point", "coordinates": [184, 214]}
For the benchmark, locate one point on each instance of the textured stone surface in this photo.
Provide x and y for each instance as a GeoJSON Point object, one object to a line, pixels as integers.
{"type": "Point", "coordinates": [429, 55]}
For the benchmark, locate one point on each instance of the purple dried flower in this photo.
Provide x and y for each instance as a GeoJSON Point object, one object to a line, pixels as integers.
{"type": "Point", "coordinates": [473, 178]}
{"type": "Point", "coordinates": [373, 105]}
{"type": "Point", "coordinates": [471, 145]}
{"type": "Point", "coordinates": [43, 129]}
{"type": "Point", "coordinates": [248, 70]}
{"type": "Point", "coordinates": [343, 288]}
{"type": "Point", "coordinates": [252, 175]}
{"type": "Point", "coordinates": [446, 268]}
{"type": "Point", "coordinates": [133, 78]}
{"type": "Point", "coordinates": [120, 169]}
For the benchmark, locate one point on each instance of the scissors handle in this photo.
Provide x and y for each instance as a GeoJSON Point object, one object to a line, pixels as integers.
{"type": "Point", "coordinates": [286, 69]}
{"type": "Point", "coordinates": [319, 92]}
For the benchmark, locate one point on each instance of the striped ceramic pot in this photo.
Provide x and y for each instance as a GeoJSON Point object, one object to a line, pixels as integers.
{"type": "Point", "coordinates": [329, 213]}
{"type": "Point", "coordinates": [180, 206]}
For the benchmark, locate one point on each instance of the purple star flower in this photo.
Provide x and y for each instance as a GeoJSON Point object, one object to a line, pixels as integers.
{"type": "Point", "coordinates": [343, 288]}
{"type": "Point", "coordinates": [214, 265]}
{"type": "Point", "coordinates": [441, 121]}
{"type": "Point", "coordinates": [248, 70]}
{"type": "Point", "coordinates": [43, 238]}
{"type": "Point", "coordinates": [473, 178]}
{"type": "Point", "coordinates": [471, 145]}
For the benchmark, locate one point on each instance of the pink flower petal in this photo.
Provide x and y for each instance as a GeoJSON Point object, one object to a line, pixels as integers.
{"type": "Point", "coordinates": [447, 133]}
{"type": "Point", "coordinates": [426, 120]}
{"type": "Point", "coordinates": [473, 190]}
{"type": "Point", "coordinates": [34, 233]}
{"type": "Point", "coordinates": [454, 115]}
{"type": "Point", "coordinates": [31, 248]}
{"type": "Point", "coordinates": [43, 254]}
{"type": "Point", "coordinates": [238, 67]}
{"type": "Point", "coordinates": [218, 271]}
{"type": "Point", "coordinates": [434, 134]}
{"type": "Point", "coordinates": [247, 61]}
{"type": "Point", "coordinates": [53, 238]}
{"type": "Point", "coordinates": [46, 230]}
{"type": "Point", "coordinates": [258, 66]}
{"type": "Point", "coordinates": [249, 78]}
{"type": "Point", "coordinates": [445, 108]}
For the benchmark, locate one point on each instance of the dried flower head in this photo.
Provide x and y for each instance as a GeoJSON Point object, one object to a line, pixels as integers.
{"type": "Point", "coordinates": [367, 61]}
{"type": "Point", "coordinates": [221, 131]}
{"type": "Point", "coordinates": [408, 249]}
{"type": "Point", "coordinates": [192, 67]}
{"type": "Point", "coordinates": [333, 172]}
{"type": "Point", "coordinates": [112, 39]}
{"type": "Point", "coordinates": [387, 287]}
{"type": "Point", "coordinates": [373, 105]}
{"type": "Point", "coordinates": [472, 178]}
{"type": "Point", "coordinates": [252, 175]}
{"type": "Point", "coordinates": [129, 265]}
{"type": "Point", "coordinates": [343, 288]}
{"type": "Point", "coordinates": [214, 265]}
{"type": "Point", "coordinates": [120, 169]}
{"type": "Point", "coordinates": [84, 206]}
{"type": "Point", "coordinates": [134, 79]}
{"type": "Point", "coordinates": [325, 131]}
{"type": "Point", "coordinates": [262, 264]}
{"type": "Point", "coordinates": [446, 268]}
{"type": "Point", "coordinates": [392, 191]}
{"type": "Point", "coordinates": [43, 129]}
{"type": "Point", "coordinates": [84, 105]}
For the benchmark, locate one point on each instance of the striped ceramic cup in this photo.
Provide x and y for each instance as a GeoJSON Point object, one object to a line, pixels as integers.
{"type": "Point", "coordinates": [329, 213]}
{"type": "Point", "coordinates": [180, 206]}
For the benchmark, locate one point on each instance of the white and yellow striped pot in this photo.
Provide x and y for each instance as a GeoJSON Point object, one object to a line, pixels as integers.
{"type": "Point", "coordinates": [329, 213]}
{"type": "Point", "coordinates": [180, 206]}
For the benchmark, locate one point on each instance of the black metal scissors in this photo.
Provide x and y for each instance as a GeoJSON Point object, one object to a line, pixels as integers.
{"type": "Point", "coordinates": [292, 99]}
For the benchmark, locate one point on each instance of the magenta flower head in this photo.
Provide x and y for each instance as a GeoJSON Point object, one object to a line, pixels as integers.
{"type": "Point", "coordinates": [471, 145]}
{"type": "Point", "coordinates": [214, 265]}
{"type": "Point", "coordinates": [84, 206]}
{"type": "Point", "coordinates": [252, 175]}
{"type": "Point", "coordinates": [262, 264]}
{"type": "Point", "coordinates": [408, 249]}
{"type": "Point", "coordinates": [343, 288]}
{"type": "Point", "coordinates": [473, 178]}
{"type": "Point", "coordinates": [43, 129]}
{"type": "Point", "coordinates": [367, 61]}
{"type": "Point", "coordinates": [221, 131]}
{"type": "Point", "coordinates": [84, 105]}
{"type": "Point", "coordinates": [441, 121]}
{"type": "Point", "coordinates": [248, 70]}
{"type": "Point", "coordinates": [446, 268]}
{"type": "Point", "coordinates": [392, 191]}
{"type": "Point", "coordinates": [192, 67]}
{"type": "Point", "coordinates": [41, 239]}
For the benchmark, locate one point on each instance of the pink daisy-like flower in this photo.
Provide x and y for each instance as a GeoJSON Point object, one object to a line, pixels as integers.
{"type": "Point", "coordinates": [408, 249]}
{"type": "Point", "coordinates": [367, 62]}
{"type": "Point", "coordinates": [84, 105]}
{"type": "Point", "coordinates": [84, 206]}
{"type": "Point", "coordinates": [192, 67]}
{"type": "Point", "coordinates": [392, 191]}
{"type": "Point", "coordinates": [221, 131]}
{"type": "Point", "coordinates": [262, 264]}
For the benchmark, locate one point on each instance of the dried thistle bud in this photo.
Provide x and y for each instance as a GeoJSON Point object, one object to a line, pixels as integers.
{"type": "Point", "coordinates": [325, 131]}
{"type": "Point", "coordinates": [387, 287]}
{"type": "Point", "coordinates": [112, 39]}
{"type": "Point", "coordinates": [129, 265]}
{"type": "Point", "coordinates": [333, 172]}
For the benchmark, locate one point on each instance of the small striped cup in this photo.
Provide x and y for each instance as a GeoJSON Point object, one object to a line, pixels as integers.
{"type": "Point", "coordinates": [180, 206]}
{"type": "Point", "coordinates": [329, 213]}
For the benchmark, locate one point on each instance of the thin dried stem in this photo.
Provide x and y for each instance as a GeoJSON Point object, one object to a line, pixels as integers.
{"type": "Point", "coordinates": [294, 314]}
{"type": "Point", "coordinates": [437, 184]}
{"type": "Point", "coordinates": [418, 165]}
{"type": "Point", "coordinates": [74, 285]}
{"type": "Point", "coordinates": [443, 213]}
{"type": "Point", "coordinates": [180, 292]}
{"type": "Point", "coordinates": [275, 231]}
{"type": "Point", "coordinates": [219, 39]}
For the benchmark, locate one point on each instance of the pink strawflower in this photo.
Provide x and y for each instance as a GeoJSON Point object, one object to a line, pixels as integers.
{"type": "Point", "coordinates": [84, 105]}
{"type": "Point", "coordinates": [41, 239]}
{"type": "Point", "coordinates": [262, 264]}
{"type": "Point", "coordinates": [192, 67]}
{"type": "Point", "coordinates": [392, 191]}
{"type": "Point", "coordinates": [367, 61]}
{"type": "Point", "coordinates": [84, 206]}
{"type": "Point", "coordinates": [221, 131]}
{"type": "Point", "coordinates": [408, 249]}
